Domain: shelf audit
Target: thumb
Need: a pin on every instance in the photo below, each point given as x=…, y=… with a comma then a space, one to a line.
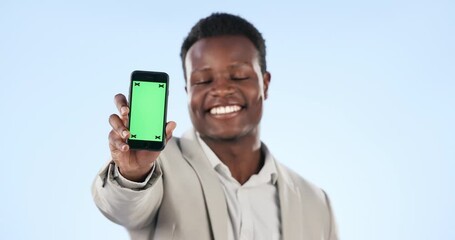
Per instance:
x=170, y=127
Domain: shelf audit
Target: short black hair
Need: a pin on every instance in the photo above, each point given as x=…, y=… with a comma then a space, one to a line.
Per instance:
x=220, y=24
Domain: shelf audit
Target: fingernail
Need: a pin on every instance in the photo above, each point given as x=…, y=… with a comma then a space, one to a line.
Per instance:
x=125, y=148
x=125, y=133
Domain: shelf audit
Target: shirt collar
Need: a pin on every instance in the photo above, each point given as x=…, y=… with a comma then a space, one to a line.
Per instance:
x=267, y=173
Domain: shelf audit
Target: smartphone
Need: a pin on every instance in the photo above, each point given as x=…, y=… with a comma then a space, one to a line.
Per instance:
x=148, y=108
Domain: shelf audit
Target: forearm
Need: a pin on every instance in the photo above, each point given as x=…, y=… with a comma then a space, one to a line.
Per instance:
x=131, y=208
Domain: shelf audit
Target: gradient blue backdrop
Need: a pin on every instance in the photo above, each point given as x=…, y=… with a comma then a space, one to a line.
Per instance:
x=361, y=103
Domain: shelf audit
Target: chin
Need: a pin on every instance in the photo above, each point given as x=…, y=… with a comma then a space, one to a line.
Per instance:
x=230, y=135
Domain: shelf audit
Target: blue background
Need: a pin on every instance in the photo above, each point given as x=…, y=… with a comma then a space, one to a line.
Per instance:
x=361, y=103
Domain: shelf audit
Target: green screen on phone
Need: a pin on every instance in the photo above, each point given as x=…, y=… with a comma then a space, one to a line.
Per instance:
x=147, y=110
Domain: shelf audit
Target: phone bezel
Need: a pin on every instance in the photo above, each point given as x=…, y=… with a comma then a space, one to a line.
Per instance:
x=149, y=76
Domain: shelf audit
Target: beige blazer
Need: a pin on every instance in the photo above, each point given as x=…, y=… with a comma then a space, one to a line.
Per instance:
x=185, y=200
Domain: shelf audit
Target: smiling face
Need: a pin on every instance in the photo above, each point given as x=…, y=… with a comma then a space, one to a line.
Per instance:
x=225, y=87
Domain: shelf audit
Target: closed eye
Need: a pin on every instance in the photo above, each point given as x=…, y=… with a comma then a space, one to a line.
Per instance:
x=239, y=78
x=202, y=81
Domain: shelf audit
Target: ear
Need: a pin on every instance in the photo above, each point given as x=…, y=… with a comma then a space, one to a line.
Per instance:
x=267, y=77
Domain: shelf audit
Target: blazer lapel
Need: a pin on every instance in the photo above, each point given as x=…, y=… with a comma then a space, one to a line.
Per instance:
x=290, y=205
x=213, y=193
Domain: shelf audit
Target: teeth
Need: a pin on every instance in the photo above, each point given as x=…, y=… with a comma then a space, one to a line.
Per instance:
x=225, y=109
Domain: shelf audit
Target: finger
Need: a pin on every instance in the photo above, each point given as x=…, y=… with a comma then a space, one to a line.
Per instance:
x=118, y=126
x=116, y=142
x=122, y=104
x=170, y=127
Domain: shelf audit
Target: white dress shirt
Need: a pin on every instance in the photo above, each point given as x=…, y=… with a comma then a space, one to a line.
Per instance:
x=254, y=211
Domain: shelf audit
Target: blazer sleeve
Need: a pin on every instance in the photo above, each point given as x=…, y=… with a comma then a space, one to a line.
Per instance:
x=333, y=228
x=131, y=208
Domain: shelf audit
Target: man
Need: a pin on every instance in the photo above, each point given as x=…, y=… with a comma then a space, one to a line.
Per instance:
x=218, y=181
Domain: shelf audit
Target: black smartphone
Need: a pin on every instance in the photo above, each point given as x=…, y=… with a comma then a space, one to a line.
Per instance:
x=148, y=108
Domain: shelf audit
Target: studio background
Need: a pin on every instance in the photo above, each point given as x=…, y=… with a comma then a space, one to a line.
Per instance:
x=361, y=103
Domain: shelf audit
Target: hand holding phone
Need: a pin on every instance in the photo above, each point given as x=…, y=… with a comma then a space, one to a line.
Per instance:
x=133, y=164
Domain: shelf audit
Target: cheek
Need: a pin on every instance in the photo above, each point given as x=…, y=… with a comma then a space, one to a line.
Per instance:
x=194, y=103
x=256, y=92
x=193, y=112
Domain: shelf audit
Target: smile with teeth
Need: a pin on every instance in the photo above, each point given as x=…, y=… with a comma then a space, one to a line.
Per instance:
x=225, y=109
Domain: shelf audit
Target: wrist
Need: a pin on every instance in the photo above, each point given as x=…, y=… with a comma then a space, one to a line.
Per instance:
x=136, y=175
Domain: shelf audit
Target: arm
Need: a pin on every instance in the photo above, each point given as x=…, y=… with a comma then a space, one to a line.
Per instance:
x=131, y=208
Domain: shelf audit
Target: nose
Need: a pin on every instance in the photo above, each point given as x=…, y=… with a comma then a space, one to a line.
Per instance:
x=222, y=86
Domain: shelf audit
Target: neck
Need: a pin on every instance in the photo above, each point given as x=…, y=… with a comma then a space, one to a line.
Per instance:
x=242, y=156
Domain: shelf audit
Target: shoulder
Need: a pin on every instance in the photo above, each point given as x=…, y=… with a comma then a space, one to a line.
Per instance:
x=291, y=180
x=172, y=150
x=181, y=144
x=172, y=145
x=309, y=200
x=306, y=189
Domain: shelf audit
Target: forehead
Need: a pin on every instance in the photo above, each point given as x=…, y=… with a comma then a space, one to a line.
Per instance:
x=220, y=50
